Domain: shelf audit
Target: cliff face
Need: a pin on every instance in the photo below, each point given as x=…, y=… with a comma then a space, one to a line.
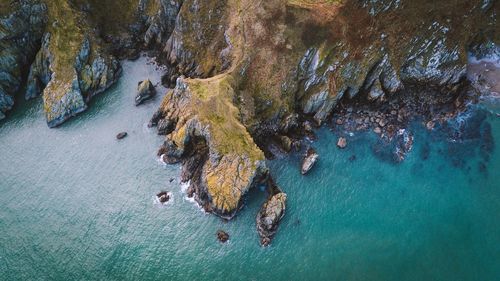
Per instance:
x=21, y=30
x=245, y=73
x=292, y=60
x=66, y=50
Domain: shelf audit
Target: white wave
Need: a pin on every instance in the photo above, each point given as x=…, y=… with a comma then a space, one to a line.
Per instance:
x=184, y=188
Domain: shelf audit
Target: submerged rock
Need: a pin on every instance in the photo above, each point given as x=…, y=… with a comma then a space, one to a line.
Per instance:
x=270, y=216
x=145, y=91
x=309, y=160
x=121, y=135
x=222, y=236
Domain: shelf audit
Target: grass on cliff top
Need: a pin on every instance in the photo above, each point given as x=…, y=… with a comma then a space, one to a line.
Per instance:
x=67, y=34
x=7, y=7
x=214, y=106
x=114, y=17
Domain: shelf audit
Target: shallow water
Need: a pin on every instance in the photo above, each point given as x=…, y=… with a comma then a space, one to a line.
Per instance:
x=78, y=204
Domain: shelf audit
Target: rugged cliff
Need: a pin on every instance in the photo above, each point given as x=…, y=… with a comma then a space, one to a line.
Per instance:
x=67, y=51
x=284, y=62
x=249, y=75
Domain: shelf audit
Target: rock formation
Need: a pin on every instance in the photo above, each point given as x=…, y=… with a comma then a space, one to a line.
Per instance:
x=145, y=91
x=309, y=160
x=244, y=72
x=269, y=217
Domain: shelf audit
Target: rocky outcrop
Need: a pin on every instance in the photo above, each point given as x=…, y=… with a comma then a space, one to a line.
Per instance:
x=222, y=236
x=245, y=71
x=269, y=217
x=163, y=197
x=21, y=28
x=65, y=48
x=309, y=160
x=219, y=157
x=263, y=68
x=145, y=91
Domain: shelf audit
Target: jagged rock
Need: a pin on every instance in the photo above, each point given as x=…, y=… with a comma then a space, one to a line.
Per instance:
x=309, y=160
x=21, y=30
x=145, y=91
x=165, y=126
x=222, y=236
x=121, y=135
x=222, y=164
x=269, y=217
x=342, y=143
x=163, y=197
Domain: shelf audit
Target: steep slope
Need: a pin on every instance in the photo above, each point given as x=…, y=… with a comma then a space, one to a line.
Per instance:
x=294, y=60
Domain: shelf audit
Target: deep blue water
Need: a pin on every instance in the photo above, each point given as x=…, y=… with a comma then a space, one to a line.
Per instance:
x=76, y=204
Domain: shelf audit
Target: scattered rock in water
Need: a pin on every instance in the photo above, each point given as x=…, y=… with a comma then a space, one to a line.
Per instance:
x=342, y=143
x=430, y=125
x=377, y=130
x=121, y=135
x=270, y=216
x=310, y=159
x=163, y=197
x=145, y=91
x=222, y=236
x=171, y=180
x=352, y=158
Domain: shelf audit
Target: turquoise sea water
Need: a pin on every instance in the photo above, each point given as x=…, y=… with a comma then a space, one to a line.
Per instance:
x=76, y=204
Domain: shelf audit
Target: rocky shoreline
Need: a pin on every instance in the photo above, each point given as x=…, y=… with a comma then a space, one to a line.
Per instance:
x=250, y=80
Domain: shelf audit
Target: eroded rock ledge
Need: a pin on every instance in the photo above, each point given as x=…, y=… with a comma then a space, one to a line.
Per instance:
x=281, y=62
x=218, y=154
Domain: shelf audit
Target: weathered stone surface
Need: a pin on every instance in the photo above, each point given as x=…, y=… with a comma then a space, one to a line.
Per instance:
x=20, y=35
x=145, y=91
x=222, y=236
x=309, y=160
x=163, y=197
x=218, y=154
x=269, y=217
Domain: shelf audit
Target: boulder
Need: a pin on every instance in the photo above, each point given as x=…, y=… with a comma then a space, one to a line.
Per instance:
x=309, y=160
x=270, y=216
x=163, y=197
x=342, y=143
x=285, y=143
x=145, y=91
x=222, y=236
x=121, y=135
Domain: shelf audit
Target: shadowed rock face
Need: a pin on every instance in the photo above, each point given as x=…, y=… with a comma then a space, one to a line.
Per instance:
x=20, y=35
x=66, y=50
